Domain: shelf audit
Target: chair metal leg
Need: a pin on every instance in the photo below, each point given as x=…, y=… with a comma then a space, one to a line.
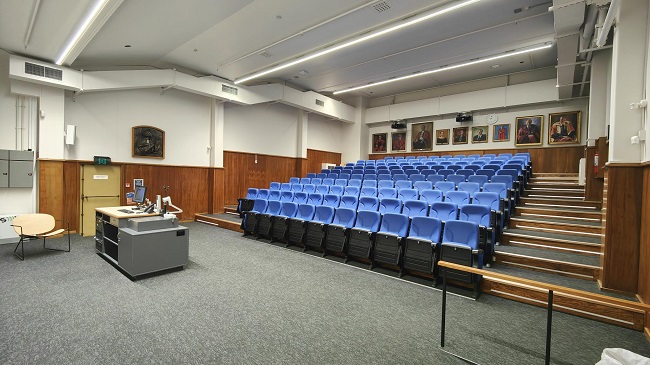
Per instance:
x=58, y=249
x=22, y=249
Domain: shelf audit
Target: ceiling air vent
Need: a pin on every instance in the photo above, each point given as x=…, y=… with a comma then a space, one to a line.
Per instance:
x=42, y=71
x=229, y=89
x=320, y=102
x=382, y=6
x=266, y=54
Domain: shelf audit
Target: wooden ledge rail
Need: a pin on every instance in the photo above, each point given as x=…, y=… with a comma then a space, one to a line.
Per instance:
x=628, y=304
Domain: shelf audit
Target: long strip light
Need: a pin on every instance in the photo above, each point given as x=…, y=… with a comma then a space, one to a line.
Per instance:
x=445, y=68
x=359, y=40
x=90, y=17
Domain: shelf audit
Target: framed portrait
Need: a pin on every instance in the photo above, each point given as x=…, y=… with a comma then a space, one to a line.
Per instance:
x=148, y=142
x=460, y=135
x=480, y=134
x=422, y=136
x=442, y=136
x=564, y=128
x=379, y=142
x=529, y=130
x=501, y=133
x=398, y=141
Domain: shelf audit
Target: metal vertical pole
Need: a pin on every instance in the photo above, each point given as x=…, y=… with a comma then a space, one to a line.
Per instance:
x=549, y=321
x=444, y=306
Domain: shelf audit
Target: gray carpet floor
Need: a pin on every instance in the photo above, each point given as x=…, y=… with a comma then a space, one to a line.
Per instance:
x=242, y=301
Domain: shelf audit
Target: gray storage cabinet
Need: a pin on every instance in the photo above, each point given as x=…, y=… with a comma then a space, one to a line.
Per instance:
x=4, y=169
x=16, y=169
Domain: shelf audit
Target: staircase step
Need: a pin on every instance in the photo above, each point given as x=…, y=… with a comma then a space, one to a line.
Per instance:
x=593, y=229
x=557, y=193
x=227, y=221
x=572, y=244
x=554, y=184
x=552, y=262
x=567, y=213
x=560, y=202
x=555, y=175
x=567, y=179
x=232, y=209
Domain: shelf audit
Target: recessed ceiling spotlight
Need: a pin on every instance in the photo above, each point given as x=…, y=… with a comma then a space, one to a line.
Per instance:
x=303, y=72
x=127, y=46
x=495, y=66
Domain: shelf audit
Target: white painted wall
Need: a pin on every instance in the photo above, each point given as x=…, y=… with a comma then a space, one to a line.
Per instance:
x=270, y=129
x=324, y=134
x=104, y=121
x=506, y=116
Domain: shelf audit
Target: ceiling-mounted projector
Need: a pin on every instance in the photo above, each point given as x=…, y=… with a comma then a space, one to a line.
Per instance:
x=464, y=117
x=398, y=124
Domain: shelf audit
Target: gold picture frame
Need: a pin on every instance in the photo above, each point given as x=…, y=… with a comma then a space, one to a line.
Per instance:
x=147, y=142
x=564, y=128
x=529, y=130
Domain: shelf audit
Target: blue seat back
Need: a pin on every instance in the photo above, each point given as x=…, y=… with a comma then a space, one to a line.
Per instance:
x=336, y=189
x=328, y=181
x=510, y=172
x=341, y=182
x=496, y=187
x=417, y=177
x=469, y=187
x=387, y=193
x=322, y=189
x=504, y=179
x=486, y=172
x=315, y=199
x=349, y=201
x=423, y=185
x=456, y=179
x=408, y=194
x=461, y=232
x=274, y=185
x=356, y=177
x=251, y=193
x=309, y=188
x=296, y=187
x=476, y=213
x=285, y=187
x=259, y=206
x=390, y=205
x=431, y=196
x=455, y=167
x=316, y=181
x=444, y=211
x=369, y=184
x=382, y=177
x=333, y=176
x=274, y=207
x=457, y=197
x=434, y=178
x=403, y=184
x=415, y=208
x=472, y=167
x=465, y=172
x=394, y=223
x=274, y=195
x=351, y=190
x=492, y=166
x=385, y=184
x=286, y=196
x=368, y=220
x=345, y=217
x=445, y=172
x=294, y=180
x=322, y=175
x=354, y=182
x=305, y=180
x=323, y=214
x=398, y=177
x=491, y=200
x=368, y=203
x=478, y=179
x=368, y=191
x=426, y=228
x=344, y=176
x=332, y=200
x=262, y=194
x=288, y=209
x=444, y=186
x=300, y=197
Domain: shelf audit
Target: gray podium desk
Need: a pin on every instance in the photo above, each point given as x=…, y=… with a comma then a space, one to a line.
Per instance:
x=140, y=243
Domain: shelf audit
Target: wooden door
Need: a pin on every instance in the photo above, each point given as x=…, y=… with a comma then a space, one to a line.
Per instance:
x=100, y=187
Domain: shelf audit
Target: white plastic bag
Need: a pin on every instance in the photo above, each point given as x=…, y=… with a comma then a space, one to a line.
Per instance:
x=618, y=356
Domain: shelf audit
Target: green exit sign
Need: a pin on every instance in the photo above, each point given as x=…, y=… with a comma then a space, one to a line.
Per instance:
x=102, y=160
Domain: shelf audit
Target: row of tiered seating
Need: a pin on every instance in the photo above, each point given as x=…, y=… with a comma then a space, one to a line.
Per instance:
x=414, y=187
x=410, y=238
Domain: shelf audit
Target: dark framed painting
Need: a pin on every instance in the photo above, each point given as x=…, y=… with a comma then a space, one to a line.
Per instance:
x=148, y=142
x=460, y=135
x=379, y=142
x=501, y=133
x=442, y=136
x=398, y=140
x=529, y=130
x=564, y=128
x=480, y=134
x=422, y=136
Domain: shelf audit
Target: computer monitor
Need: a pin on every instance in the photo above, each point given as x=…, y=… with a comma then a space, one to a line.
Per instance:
x=139, y=195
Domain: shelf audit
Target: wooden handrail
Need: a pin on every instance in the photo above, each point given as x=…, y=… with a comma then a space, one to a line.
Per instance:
x=545, y=286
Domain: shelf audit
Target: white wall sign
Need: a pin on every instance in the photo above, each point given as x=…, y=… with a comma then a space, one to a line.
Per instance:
x=100, y=177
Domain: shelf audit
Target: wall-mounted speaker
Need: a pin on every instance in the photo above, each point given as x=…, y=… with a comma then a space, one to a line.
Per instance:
x=464, y=117
x=70, y=131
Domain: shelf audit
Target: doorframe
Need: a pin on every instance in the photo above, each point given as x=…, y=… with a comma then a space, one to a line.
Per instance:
x=81, y=190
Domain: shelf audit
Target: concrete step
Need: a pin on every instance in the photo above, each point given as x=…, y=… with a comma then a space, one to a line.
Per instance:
x=532, y=237
x=557, y=225
x=556, y=202
x=568, y=214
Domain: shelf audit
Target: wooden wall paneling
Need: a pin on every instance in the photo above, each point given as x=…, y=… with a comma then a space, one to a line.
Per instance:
x=301, y=167
x=218, y=189
x=621, y=249
x=315, y=159
x=603, y=156
x=593, y=185
x=51, y=189
x=643, y=284
x=71, y=194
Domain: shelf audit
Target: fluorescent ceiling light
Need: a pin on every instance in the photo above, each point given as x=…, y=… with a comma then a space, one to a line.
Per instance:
x=90, y=17
x=359, y=40
x=445, y=68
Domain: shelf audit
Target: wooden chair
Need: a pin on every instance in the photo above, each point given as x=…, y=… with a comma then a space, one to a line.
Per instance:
x=36, y=226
